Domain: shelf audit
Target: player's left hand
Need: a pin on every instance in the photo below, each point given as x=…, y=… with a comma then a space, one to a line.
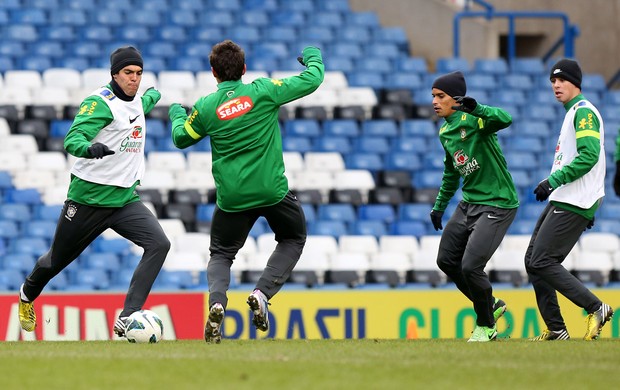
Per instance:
x=465, y=103
x=543, y=190
x=590, y=224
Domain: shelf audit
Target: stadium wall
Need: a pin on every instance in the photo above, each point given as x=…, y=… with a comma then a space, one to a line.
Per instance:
x=428, y=24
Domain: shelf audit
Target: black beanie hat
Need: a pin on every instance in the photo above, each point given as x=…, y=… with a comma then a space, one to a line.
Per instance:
x=452, y=84
x=124, y=56
x=568, y=70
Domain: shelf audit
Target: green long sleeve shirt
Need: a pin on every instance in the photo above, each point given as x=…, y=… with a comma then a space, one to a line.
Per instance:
x=474, y=154
x=241, y=121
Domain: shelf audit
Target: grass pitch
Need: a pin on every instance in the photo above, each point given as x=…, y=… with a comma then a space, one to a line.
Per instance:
x=310, y=364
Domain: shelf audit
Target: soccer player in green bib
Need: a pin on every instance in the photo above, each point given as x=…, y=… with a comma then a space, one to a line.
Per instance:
x=489, y=203
x=241, y=121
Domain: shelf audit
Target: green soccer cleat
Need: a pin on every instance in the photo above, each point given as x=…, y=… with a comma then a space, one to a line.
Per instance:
x=596, y=321
x=499, y=308
x=213, y=327
x=483, y=334
x=550, y=335
x=27, y=316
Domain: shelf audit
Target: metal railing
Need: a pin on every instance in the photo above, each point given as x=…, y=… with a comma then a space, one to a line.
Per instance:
x=567, y=40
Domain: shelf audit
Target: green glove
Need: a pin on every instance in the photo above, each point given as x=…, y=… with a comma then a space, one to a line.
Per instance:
x=177, y=111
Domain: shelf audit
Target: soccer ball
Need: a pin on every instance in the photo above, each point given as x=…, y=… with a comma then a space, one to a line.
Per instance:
x=144, y=326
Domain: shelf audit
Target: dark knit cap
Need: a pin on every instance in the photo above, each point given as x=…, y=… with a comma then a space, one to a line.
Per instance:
x=568, y=70
x=452, y=84
x=124, y=56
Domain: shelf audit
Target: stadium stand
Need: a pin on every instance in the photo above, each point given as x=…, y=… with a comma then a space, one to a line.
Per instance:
x=361, y=153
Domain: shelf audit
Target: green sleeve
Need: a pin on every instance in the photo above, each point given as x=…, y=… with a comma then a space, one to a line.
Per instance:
x=149, y=99
x=186, y=130
x=295, y=87
x=94, y=115
x=449, y=184
x=587, y=132
x=493, y=119
x=617, y=154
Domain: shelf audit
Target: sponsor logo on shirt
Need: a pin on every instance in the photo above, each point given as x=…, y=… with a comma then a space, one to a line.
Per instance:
x=234, y=108
x=464, y=164
x=133, y=142
x=106, y=93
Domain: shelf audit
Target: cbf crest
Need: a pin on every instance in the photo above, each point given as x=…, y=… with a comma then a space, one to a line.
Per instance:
x=463, y=133
x=71, y=211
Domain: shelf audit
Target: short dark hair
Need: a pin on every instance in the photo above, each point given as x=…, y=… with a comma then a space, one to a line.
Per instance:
x=227, y=59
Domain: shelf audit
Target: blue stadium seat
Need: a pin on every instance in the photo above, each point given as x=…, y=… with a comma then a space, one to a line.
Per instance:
x=366, y=18
x=369, y=161
x=386, y=50
x=302, y=127
x=353, y=33
x=341, y=64
x=521, y=178
x=29, y=245
x=517, y=81
x=15, y=212
x=6, y=180
x=411, y=64
x=530, y=210
x=36, y=62
x=380, y=128
x=204, y=212
x=396, y=35
x=71, y=17
x=40, y=228
x=402, y=161
x=156, y=5
x=403, y=80
x=414, y=212
x=330, y=19
x=344, y=212
x=51, y=49
x=244, y=34
x=366, y=79
x=380, y=212
x=328, y=228
x=137, y=33
x=174, y=280
x=104, y=261
x=111, y=17
x=451, y=64
x=333, y=5
x=418, y=127
x=521, y=160
x=522, y=226
x=330, y=143
x=60, y=127
x=266, y=64
x=382, y=65
x=188, y=5
x=47, y=212
x=309, y=212
x=172, y=34
x=8, y=229
x=323, y=34
x=282, y=17
x=21, y=33
x=7, y=63
x=606, y=226
x=369, y=228
x=410, y=144
x=209, y=32
x=28, y=196
x=493, y=66
x=525, y=143
x=593, y=82
x=118, y=246
x=253, y=18
x=192, y=64
x=341, y=127
x=30, y=16
x=509, y=98
x=59, y=282
x=527, y=65
x=231, y=5
x=177, y=17
x=296, y=144
x=486, y=82
x=345, y=49
x=196, y=49
x=96, y=33
x=408, y=228
x=21, y=262
x=10, y=279
x=280, y=34
x=90, y=279
x=272, y=49
x=371, y=144
x=427, y=179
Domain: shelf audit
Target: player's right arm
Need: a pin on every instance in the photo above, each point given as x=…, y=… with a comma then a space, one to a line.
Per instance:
x=186, y=130
x=449, y=184
x=93, y=115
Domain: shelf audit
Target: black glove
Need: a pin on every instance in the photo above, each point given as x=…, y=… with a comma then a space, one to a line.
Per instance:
x=98, y=150
x=466, y=104
x=617, y=179
x=436, y=219
x=301, y=60
x=543, y=190
x=590, y=224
